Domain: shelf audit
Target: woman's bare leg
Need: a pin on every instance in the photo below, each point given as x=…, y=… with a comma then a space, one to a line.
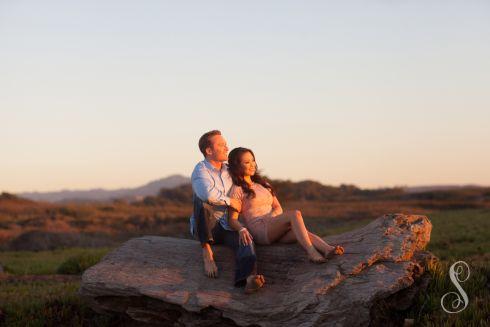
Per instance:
x=316, y=240
x=288, y=238
x=320, y=244
x=279, y=227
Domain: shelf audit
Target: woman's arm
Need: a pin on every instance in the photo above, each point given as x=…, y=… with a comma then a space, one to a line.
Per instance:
x=245, y=236
x=276, y=207
x=233, y=219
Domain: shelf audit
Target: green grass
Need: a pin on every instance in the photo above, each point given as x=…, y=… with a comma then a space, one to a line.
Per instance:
x=457, y=235
x=427, y=310
x=36, y=303
x=460, y=234
x=48, y=303
x=43, y=262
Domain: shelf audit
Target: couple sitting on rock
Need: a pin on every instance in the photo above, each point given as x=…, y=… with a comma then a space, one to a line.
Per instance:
x=223, y=193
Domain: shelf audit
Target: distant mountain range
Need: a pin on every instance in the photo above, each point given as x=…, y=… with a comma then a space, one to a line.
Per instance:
x=99, y=194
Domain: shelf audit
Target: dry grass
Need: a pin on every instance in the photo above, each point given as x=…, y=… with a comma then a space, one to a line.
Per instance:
x=95, y=224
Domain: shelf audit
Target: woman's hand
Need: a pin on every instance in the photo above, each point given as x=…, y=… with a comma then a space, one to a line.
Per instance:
x=245, y=236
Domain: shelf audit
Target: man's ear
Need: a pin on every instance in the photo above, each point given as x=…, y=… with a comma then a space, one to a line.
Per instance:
x=208, y=151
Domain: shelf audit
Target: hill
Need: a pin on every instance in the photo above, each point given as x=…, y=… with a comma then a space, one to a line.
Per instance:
x=99, y=194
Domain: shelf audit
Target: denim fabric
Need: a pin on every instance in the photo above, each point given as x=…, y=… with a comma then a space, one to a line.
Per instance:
x=209, y=231
x=245, y=257
x=203, y=225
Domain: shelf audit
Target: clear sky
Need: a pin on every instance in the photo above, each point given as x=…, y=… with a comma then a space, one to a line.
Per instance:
x=116, y=93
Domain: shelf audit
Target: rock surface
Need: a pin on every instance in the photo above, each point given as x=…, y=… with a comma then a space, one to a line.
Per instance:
x=160, y=280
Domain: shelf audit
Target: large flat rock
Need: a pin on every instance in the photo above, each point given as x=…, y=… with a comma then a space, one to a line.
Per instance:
x=161, y=279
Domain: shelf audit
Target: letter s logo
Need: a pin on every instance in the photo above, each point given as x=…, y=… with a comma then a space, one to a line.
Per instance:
x=455, y=271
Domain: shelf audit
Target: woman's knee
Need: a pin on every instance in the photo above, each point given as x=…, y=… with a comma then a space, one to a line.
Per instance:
x=297, y=215
x=293, y=214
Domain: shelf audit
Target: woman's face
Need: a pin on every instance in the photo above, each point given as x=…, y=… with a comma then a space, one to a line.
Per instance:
x=247, y=164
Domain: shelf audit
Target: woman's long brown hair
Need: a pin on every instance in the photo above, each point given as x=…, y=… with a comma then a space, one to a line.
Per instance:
x=234, y=166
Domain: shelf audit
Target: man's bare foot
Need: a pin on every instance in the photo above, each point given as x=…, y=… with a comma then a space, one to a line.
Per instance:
x=314, y=255
x=210, y=268
x=254, y=283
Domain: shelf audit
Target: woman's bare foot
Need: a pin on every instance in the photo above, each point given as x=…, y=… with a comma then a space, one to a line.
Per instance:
x=210, y=268
x=328, y=250
x=254, y=283
x=314, y=255
x=333, y=250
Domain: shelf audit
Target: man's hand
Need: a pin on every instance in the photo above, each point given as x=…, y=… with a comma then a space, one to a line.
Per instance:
x=245, y=236
x=236, y=204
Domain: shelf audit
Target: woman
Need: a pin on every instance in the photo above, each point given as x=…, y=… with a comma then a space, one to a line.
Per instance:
x=262, y=213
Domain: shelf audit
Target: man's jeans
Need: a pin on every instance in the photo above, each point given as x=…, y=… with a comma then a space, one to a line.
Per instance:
x=209, y=230
x=245, y=258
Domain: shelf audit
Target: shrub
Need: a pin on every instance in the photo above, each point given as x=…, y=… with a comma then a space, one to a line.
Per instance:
x=75, y=265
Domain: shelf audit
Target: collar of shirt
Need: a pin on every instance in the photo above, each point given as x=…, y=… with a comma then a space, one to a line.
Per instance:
x=208, y=164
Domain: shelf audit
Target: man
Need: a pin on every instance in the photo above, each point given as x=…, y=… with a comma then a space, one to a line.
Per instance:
x=211, y=184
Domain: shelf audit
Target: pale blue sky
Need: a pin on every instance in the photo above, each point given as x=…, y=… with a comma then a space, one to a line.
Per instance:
x=116, y=93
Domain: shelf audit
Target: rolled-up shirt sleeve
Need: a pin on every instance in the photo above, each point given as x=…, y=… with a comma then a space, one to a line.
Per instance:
x=203, y=186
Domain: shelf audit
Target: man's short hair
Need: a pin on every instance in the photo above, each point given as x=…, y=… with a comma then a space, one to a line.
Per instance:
x=205, y=140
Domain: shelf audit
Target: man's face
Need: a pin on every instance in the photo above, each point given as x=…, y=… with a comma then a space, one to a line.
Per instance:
x=218, y=151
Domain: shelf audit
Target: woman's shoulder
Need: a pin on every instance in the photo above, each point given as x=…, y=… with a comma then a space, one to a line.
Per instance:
x=265, y=187
x=236, y=187
x=236, y=191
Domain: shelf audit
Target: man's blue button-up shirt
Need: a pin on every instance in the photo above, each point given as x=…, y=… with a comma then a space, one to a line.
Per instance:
x=212, y=185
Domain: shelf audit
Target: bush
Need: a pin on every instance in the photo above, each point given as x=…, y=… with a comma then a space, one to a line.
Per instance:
x=77, y=264
x=40, y=240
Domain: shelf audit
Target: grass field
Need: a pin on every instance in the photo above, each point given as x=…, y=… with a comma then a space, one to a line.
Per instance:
x=456, y=235
x=43, y=262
